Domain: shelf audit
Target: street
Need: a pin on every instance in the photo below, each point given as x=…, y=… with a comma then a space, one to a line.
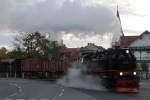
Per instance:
x=25, y=89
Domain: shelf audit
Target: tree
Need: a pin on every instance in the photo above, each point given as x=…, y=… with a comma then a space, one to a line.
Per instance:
x=35, y=45
x=3, y=53
x=145, y=67
x=17, y=53
x=54, y=52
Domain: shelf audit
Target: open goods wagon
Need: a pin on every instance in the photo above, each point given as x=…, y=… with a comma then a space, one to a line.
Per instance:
x=43, y=68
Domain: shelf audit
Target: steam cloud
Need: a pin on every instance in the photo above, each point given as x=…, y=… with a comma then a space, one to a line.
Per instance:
x=76, y=78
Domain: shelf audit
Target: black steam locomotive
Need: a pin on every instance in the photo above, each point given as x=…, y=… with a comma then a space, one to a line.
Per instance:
x=115, y=66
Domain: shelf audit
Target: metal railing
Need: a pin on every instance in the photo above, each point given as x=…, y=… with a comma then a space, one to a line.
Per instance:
x=143, y=59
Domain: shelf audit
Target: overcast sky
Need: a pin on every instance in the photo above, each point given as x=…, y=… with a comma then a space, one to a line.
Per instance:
x=77, y=22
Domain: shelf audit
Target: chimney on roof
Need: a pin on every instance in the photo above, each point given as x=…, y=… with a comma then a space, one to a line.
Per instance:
x=146, y=31
x=61, y=43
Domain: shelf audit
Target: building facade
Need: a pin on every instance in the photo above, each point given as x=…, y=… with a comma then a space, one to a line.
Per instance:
x=140, y=45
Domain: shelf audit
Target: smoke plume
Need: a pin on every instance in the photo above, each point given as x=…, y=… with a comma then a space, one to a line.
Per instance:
x=77, y=78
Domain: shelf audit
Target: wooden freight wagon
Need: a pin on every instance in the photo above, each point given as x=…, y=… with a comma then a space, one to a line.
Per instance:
x=10, y=68
x=43, y=68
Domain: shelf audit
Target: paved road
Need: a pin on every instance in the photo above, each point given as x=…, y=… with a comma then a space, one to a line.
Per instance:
x=38, y=90
x=22, y=89
x=144, y=93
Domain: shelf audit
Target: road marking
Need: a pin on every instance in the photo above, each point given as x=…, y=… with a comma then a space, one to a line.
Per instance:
x=53, y=99
x=19, y=99
x=61, y=94
x=13, y=84
x=18, y=87
x=63, y=90
x=20, y=90
x=13, y=94
x=28, y=99
x=8, y=99
x=33, y=99
x=44, y=99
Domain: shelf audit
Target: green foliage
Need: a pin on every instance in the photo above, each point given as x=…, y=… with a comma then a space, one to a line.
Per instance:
x=35, y=45
x=3, y=53
x=144, y=67
x=18, y=54
x=139, y=67
x=54, y=50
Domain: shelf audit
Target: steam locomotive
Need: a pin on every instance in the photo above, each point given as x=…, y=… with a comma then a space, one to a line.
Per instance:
x=115, y=66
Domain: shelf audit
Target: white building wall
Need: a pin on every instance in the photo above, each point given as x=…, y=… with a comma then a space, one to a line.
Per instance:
x=144, y=41
x=143, y=55
x=140, y=42
x=137, y=55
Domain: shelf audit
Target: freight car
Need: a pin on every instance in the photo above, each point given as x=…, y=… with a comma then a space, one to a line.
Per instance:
x=43, y=68
x=10, y=68
x=33, y=68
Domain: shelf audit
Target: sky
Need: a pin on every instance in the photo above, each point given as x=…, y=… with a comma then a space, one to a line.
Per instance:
x=77, y=22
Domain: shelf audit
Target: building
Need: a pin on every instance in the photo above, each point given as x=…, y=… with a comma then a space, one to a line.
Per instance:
x=69, y=54
x=140, y=45
x=91, y=47
x=74, y=54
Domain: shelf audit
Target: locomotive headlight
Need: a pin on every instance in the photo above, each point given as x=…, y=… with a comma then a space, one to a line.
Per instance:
x=82, y=59
x=121, y=73
x=127, y=51
x=134, y=73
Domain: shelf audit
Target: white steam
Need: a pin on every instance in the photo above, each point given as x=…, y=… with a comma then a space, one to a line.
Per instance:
x=76, y=78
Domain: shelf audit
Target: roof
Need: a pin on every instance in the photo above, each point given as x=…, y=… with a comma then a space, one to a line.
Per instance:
x=73, y=52
x=145, y=32
x=126, y=40
x=91, y=48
